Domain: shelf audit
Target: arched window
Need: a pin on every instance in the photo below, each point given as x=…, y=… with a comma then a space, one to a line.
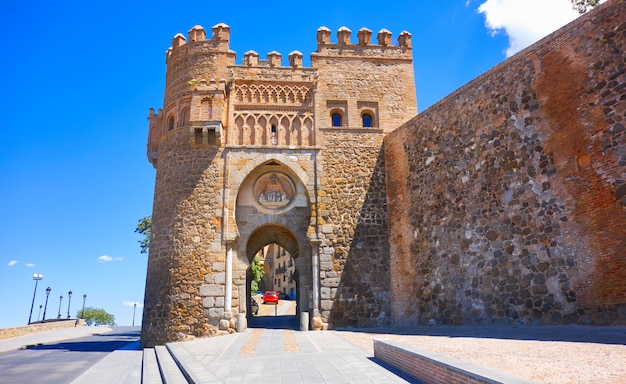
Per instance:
x=184, y=117
x=170, y=123
x=367, y=120
x=336, y=119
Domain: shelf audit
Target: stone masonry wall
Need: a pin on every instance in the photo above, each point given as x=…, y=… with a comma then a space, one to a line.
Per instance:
x=208, y=59
x=354, y=269
x=8, y=333
x=375, y=78
x=507, y=198
x=186, y=255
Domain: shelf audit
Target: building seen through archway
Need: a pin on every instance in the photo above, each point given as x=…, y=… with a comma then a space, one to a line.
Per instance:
x=279, y=270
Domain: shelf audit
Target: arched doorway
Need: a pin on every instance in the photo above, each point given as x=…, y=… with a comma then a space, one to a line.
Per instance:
x=277, y=249
x=273, y=209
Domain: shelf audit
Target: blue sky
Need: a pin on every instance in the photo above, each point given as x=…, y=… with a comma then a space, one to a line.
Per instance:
x=77, y=79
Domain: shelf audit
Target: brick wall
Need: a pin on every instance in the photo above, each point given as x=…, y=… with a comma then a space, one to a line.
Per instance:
x=507, y=197
x=433, y=368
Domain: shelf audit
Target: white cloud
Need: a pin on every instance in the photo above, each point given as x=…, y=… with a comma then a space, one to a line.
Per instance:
x=12, y=263
x=29, y=265
x=526, y=21
x=106, y=259
x=132, y=303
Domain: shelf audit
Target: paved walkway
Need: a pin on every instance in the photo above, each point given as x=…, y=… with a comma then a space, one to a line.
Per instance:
x=272, y=351
x=284, y=356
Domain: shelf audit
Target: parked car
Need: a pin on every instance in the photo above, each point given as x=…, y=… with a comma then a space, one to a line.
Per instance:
x=270, y=297
x=254, y=307
x=284, y=296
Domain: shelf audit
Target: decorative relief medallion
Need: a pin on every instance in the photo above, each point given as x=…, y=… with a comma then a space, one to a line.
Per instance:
x=273, y=190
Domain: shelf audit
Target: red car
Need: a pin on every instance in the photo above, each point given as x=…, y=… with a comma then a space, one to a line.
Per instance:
x=270, y=297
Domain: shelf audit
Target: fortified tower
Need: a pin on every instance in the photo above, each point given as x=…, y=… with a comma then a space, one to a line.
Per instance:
x=259, y=153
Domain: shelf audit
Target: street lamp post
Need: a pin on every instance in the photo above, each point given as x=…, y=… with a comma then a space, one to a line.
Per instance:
x=36, y=277
x=60, y=300
x=82, y=313
x=69, y=302
x=46, y=306
x=39, y=315
x=134, y=309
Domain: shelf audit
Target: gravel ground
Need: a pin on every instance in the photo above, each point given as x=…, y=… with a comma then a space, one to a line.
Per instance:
x=545, y=354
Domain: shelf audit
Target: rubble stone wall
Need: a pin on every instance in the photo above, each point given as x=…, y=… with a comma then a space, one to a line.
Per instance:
x=354, y=255
x=186, y=253
x=507, y=199
x=11, y=332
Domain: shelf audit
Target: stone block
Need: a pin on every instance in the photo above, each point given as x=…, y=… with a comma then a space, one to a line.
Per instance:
x=211, y=290
x=326, y=305
x=216, y=313
x=219, y=278
x=326, y=266
x=208, y=302
x=325, y=258
x=331, y=282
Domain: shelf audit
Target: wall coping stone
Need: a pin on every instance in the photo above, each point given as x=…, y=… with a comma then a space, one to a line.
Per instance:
x=23, y=330
x=472, y=372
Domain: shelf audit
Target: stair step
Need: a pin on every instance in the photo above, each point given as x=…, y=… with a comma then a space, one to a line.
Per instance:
x=170, y=371
x=150, y=368
x=194, y=370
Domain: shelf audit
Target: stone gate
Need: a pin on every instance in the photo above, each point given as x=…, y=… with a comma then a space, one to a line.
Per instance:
x=258, y=153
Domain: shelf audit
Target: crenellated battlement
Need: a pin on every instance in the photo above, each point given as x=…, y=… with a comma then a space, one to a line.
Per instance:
x=364, y=38
x=219, y=41
x=347, y=85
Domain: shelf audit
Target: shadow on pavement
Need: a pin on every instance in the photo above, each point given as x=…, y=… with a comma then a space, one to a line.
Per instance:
x=96, y=343
x=569, y=333
x=274, y=322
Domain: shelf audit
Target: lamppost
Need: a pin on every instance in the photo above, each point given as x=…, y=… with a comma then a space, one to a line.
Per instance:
x=46, y=306
x=39, y=315
x=60, y=300
x=36, y=277
x=134, y=308
x=69, y=302
x=82, y=313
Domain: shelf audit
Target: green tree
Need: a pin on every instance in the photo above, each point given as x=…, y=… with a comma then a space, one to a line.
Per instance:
x=96, y=316
x=583, y=5
x=145, y=228
x=257, y=273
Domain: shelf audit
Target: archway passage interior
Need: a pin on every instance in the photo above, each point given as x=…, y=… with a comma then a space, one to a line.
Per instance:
x=276, y=250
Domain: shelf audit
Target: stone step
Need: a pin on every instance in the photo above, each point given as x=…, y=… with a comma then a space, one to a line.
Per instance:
x=150, y=373
x=170, y=371
x=192, y=368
